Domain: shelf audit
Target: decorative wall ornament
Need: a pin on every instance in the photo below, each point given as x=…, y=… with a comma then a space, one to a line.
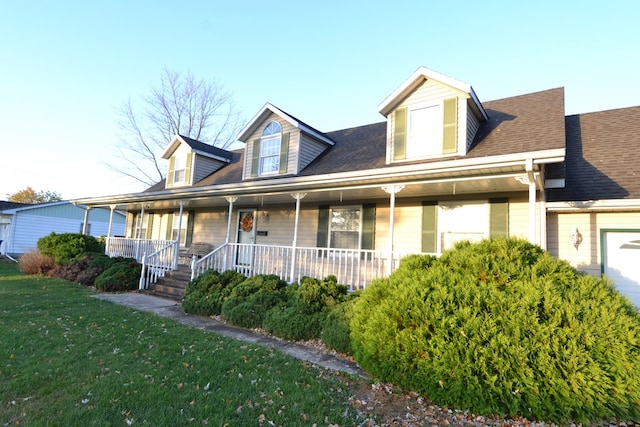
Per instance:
x=575, y=238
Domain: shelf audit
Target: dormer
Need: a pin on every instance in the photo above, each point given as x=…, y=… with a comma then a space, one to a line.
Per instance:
x=431, y=116
x=191, y=160
x=278, y=144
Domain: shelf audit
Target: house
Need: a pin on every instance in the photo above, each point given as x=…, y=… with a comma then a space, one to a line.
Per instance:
x=441, y=167
x=22, y=225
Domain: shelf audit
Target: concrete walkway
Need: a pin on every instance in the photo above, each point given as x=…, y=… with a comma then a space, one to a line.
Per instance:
x=171, y=309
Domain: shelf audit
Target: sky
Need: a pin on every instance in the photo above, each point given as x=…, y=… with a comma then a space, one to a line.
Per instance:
x=66, y=67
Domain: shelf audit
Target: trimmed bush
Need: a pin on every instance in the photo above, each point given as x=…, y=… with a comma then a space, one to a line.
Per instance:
x=336, y=331
x=34, y=262
x=123, y=276
x=204, y=295
x=249, y=301
x=301, y=317
x=67, y=247
x=503, y=327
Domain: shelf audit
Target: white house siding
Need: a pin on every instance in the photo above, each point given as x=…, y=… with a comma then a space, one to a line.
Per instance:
x=309, y=150
x=294, y=138
x=587, y=257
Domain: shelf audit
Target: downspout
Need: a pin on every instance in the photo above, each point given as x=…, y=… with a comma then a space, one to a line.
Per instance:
x=298, y=197
x=112, y=207
x=85, y=224
x=543, y=209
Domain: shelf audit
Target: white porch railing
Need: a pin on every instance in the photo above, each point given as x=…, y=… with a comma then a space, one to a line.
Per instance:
x=158, y=263
x=133, y=248
x=352, y=267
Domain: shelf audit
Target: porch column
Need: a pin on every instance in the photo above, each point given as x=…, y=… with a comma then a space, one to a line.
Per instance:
x=391, y=190
x=231, y=200
x=176, y=255
x=112, y=207
x=298, y=197
x=532, y=200
x=139, y=239
x=85, y=223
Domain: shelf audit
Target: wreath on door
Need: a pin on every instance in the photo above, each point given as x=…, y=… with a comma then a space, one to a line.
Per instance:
x=246, y=223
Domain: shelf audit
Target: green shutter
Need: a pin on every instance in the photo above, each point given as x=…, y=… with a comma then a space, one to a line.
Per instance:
x=255, y=158
x=284, y=152
x=450, y=131
x=190, y=221
x=187, y=173
x=498, y=217
x=400, y=134
x=367, y=240
x=323, y=226
x=429, y=227
x=172, y=167
x=169, y=225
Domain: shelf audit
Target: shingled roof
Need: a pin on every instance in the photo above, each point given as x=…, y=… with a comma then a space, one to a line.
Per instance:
x=518, y=124
x=603, y=157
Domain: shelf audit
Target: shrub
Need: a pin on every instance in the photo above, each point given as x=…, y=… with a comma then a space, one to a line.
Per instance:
x=336, y=332
x=204, y=295
x=34, y=262
x=66, y=247
x=503, y=327
x=249, y=301
x=122, y=276
x=301, y=317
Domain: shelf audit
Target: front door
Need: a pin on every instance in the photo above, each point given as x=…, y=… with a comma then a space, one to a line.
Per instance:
x=246, y=237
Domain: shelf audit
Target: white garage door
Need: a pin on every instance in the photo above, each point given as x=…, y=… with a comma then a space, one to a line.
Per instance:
x=622, y=261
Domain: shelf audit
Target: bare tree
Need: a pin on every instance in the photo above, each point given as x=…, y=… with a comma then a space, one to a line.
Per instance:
x=181, y=104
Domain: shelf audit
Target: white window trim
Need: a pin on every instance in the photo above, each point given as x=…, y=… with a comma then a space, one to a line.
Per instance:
x=440, y=224
x=347, y=207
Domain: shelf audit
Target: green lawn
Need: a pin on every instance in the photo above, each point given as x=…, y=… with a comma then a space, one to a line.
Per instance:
x=67, y=359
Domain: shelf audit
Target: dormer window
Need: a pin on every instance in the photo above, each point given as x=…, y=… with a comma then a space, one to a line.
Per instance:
x=180, y=171
x=426, y=130
x=270, y=144
x=270, y=152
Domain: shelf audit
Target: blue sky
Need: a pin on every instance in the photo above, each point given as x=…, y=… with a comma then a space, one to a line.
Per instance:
x=68, y=65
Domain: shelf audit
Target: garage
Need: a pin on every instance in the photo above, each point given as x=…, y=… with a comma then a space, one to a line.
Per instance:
x=621, y=261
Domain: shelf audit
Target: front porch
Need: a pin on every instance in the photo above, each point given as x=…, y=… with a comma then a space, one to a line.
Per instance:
x=353, y=268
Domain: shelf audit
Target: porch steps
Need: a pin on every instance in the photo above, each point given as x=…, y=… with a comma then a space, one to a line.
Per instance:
x=173, y=284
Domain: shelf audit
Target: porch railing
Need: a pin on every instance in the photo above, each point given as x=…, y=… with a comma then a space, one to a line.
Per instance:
x=352, y=267
x=158, y=263
x=133, y=248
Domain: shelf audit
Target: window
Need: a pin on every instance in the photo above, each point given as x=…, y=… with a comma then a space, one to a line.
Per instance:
x=175, y=224
x=179, y=173
x=270, y=144
x=140, y=232
x=344, y=228
x=426, y=130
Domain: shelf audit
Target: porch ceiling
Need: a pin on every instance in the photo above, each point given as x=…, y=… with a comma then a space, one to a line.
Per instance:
x=501, y=181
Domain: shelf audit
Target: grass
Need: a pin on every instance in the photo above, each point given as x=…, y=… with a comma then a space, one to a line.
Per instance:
x=69, y=359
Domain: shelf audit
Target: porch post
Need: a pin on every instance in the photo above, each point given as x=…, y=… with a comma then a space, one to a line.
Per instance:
x=298, y=197
x=139, y=240
x=231, y=200
x=532, y=200
x=85, y=223
x=112, y=207
x=177, y=251
x=391, y=190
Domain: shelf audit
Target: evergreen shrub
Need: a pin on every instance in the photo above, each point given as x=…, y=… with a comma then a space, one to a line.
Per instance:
x=336, y=332
x=502, y=327
x=204, y=294
x=301, y=317
x=122, y=276
x=66, y=247
x=249, y=301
